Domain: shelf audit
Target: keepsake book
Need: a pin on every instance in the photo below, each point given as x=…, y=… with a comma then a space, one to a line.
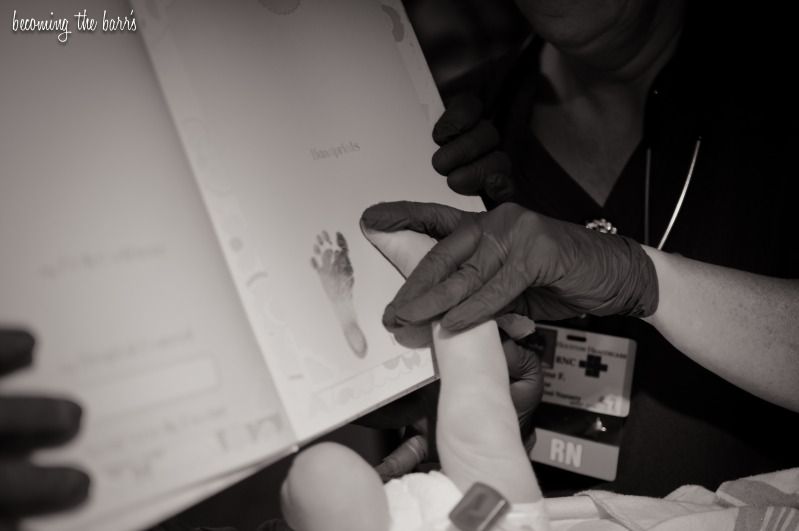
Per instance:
x=179, y=225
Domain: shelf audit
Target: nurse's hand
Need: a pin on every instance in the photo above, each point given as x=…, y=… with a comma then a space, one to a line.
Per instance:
x=469, y=155
x=511, y=259
x=28, y=422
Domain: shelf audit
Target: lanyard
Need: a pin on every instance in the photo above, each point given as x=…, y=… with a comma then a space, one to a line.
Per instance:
x=678, y=206
x=604, y=226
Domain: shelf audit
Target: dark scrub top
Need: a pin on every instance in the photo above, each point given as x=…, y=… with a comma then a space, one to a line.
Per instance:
x=686, y=425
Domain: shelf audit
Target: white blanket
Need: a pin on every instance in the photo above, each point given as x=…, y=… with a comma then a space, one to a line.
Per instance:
x=768, y=502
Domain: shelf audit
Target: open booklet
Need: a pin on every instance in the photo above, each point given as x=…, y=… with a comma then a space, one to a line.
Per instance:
x=179, y=214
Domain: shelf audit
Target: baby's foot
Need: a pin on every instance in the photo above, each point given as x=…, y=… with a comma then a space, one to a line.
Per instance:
x=332, y=262
x=331, y=488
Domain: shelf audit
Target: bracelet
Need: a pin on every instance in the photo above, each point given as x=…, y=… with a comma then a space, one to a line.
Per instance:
x=482, y=508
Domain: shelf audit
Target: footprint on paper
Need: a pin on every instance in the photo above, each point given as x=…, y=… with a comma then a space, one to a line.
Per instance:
x=397, y=27
x=332, y=263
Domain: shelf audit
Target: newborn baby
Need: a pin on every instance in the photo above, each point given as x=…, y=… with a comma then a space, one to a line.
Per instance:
x=330, y=487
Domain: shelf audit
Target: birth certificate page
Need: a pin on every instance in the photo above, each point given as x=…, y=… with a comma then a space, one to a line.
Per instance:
x=296, y=115
x=110, y=259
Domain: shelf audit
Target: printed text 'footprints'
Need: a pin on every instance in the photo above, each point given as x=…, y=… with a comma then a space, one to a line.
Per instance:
x=281, y=7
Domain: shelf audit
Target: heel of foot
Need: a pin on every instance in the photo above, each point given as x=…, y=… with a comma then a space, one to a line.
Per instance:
x=356, y=339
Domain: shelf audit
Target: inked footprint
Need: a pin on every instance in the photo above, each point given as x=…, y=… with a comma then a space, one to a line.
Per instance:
x=397, y=27
x=332, y=263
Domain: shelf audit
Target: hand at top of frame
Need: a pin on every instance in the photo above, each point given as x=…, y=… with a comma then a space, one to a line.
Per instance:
x=468, y=155
x=511, y=259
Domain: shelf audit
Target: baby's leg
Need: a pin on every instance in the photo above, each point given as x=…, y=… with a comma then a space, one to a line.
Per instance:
x=478, y=432
x=331, y=488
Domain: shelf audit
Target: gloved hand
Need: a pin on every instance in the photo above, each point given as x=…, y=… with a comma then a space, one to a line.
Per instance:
x=511, y=259
x=27, y=422
x=468, y=156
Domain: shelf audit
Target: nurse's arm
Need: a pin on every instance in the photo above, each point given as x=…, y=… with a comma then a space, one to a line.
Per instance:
x=743, y=327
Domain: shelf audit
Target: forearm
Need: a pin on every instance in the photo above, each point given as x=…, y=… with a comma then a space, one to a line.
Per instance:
x=743, y=327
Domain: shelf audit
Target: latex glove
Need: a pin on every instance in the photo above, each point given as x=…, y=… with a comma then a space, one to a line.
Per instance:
x=468, y=156
x=526, y=386
x=513, y=259
x=27, y=422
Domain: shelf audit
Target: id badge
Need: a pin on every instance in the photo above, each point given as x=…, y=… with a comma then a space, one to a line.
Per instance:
x=587, y=384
